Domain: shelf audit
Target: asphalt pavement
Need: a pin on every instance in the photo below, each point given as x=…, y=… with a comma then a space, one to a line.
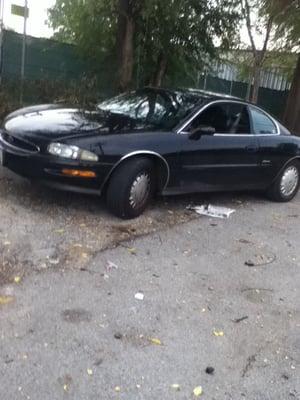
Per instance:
x=94, y=308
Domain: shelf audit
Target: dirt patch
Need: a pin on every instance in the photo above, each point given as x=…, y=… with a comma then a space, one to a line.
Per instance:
x=42, y=228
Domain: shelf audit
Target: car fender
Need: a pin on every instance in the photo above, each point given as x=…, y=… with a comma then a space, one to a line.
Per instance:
x=285, y=164
x=156, y=156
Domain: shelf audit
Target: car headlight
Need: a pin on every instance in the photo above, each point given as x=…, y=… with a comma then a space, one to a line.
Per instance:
x=72, y=152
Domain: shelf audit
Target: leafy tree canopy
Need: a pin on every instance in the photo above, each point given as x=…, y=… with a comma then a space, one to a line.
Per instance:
x=170, y=38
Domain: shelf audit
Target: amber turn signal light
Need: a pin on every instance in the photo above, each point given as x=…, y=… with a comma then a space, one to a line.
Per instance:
x=79, y=173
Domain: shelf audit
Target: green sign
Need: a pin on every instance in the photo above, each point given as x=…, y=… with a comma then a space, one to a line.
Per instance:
x=20, y=11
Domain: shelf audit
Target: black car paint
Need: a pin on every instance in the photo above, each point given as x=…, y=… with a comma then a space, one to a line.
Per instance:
x=212, y=162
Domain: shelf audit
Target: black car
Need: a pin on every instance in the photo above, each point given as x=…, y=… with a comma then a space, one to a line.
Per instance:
x=153, y=141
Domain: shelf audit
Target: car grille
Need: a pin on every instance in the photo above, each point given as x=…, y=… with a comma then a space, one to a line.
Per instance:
x=19, y=143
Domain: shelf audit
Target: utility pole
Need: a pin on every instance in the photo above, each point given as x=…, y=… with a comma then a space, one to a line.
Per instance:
x=23, y=52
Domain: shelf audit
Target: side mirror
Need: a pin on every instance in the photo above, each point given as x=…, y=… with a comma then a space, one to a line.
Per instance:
x=195, y=134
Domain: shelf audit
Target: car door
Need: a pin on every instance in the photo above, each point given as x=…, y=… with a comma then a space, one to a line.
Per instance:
x=226, y=159
x=274, y=149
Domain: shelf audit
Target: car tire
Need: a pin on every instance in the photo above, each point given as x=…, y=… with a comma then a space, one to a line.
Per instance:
x=286, y=185
x=131, y=188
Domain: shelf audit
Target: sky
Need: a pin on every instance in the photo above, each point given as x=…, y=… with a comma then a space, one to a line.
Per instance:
x=37, y=25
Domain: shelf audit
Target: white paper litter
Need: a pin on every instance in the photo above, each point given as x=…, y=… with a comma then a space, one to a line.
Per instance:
x=213, y=211
x=110, y=265
x=139, y=296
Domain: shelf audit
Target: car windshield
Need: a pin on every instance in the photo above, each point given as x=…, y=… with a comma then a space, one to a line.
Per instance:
x=152, y=108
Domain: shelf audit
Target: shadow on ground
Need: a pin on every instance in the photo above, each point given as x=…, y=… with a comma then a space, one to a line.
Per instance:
x=42, y=228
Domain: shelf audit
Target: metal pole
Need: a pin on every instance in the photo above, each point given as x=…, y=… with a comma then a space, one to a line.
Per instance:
x=1, y=36
x=23, y=53
x=231, y=87
x=205, y=80
x=248, y=94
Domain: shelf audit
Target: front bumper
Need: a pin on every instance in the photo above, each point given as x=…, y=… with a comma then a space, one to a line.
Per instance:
x=47, y=169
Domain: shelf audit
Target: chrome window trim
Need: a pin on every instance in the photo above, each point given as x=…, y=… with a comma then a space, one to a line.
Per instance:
x=203, y=108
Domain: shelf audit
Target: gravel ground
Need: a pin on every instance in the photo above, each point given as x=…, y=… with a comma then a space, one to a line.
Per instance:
x=41, y=228
x=217, y=293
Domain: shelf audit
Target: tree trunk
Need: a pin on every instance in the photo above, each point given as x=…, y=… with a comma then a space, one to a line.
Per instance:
x=160, y=71
x=125, y=46
x=256, y=82
x=292, y=110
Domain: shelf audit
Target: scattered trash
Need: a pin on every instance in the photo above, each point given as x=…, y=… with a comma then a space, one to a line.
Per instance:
x=66, y=382
x=7, y=243
x=118, y=336
x=250, y=361
x=17, y=279
x=53, y=261
x=218, y=333
x=155, y=341
x=238, y=320
x=132, y=251
x=89, y=371
x=260, y=260
x=84, y=255
x=176, y=387
x=110, y=265
x=245, y=241
x=213, y=211
x=210, y=370
x=139, y=296
x=117, y=389
x=6, y=300
x=198, y=391
x=60, y=231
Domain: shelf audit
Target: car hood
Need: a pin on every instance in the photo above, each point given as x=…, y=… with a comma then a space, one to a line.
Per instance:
x=55, y=121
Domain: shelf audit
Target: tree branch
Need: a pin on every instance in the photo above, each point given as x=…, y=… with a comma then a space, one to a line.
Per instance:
x=246, y=10
x=268, y=32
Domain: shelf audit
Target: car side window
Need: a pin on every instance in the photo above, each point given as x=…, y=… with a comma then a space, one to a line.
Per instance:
x=262, y=124
x=225, y=118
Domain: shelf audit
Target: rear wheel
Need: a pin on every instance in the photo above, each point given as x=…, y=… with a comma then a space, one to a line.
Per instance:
x=131, y=188
x=286, y=184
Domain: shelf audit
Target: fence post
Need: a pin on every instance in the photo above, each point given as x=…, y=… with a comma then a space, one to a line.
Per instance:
x=1, y=37
x=23, y=53
x=248, y=93
x=205, y=79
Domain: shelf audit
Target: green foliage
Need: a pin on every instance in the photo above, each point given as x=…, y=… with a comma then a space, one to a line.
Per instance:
x=288, y=24
x=84, y=92
x=185, y=32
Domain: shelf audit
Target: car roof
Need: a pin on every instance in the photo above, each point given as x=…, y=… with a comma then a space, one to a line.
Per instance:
x=210, y=94
x=206, y=94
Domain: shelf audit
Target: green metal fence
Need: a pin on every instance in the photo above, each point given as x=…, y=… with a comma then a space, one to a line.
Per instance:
x=45, y=59
x=272, y=100
x=50, y=61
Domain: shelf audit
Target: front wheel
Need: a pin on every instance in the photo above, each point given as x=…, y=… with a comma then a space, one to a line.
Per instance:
x=131, y=188
x=286, y=185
